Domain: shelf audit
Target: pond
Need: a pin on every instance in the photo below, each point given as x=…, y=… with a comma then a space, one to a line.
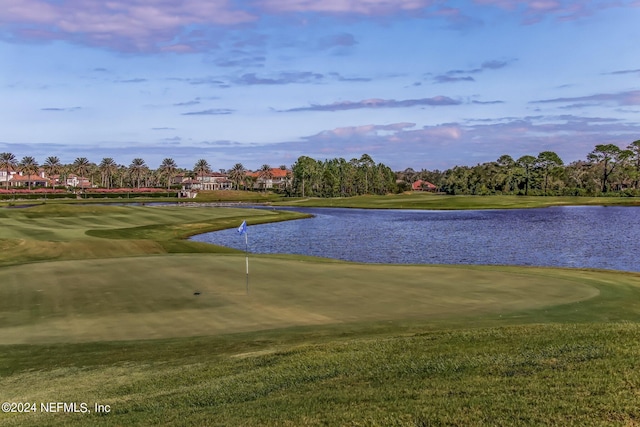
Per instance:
x=574, y=236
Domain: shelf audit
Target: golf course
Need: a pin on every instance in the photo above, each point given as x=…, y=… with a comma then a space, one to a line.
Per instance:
x=113, y=306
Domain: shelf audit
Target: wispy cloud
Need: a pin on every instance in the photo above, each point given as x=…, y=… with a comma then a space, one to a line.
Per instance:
x=451, y=79
x=359, y=7
x=68, y=109
x=186, y=104
x=124, y=25
x=136, y=80
x=454, y=76
x=435, y=101
x=210, y=112
x=341, y=40
x=621, y=98
x=534, y=11
x=637, y=71
x=279, y=79
x=487, y=102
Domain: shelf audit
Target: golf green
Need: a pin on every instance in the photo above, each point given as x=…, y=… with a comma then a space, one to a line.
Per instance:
x=165, y=296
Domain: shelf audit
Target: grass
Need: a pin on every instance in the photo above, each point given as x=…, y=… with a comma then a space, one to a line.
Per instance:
x=439, y=201
x=97, y=305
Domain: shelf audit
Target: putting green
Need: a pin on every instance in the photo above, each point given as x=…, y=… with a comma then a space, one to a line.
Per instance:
x=154, y=296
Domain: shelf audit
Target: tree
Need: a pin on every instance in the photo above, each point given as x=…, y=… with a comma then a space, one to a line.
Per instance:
x=266, y=174
x=81, y=166
x=237, y=174
x=168, y=169
x=8, y=162
x=605, y=155
x=52, y=166
x=28, y=166
x=527, y=163
x=108, y=167
x=304, y=170
x=138, y=168
x=200, y=168
x=506, y=165
x=634, y=149
x=547, y=161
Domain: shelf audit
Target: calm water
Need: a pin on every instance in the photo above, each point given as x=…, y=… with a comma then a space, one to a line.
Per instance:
x=577, y=236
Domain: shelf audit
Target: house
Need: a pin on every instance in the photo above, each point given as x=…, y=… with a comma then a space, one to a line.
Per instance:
x=77, y=181
x=3, y=174
x=421, y=185
x=20, y=180
x=280, y=178
x=213, y=181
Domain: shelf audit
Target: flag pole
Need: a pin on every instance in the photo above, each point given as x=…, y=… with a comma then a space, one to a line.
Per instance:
x=246, y=257
x=243, y=230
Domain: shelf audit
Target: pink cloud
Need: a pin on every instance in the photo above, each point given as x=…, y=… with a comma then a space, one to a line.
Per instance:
x=141, y=25
x=536, y=10
x=362, y=7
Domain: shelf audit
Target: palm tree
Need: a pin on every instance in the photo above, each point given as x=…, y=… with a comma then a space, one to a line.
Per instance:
x=137, y=168
x=7, y=163
x=81, y=167
x=200, y=168
x=168, y=168
x=29, y=166
x=266, y=174
x=237, y=174
x=108, y=168
x=52, y=166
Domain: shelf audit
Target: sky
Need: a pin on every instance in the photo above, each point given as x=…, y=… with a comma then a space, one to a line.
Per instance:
x=426, y=84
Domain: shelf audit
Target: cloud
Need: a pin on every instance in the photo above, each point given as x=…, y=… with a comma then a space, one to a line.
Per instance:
x=379, y=103
x=163, y=128
x=123, y=25
x=69, y=109
x=138, y=80
x=340, y=40
x=450, y=79
x=186, y=104
x=210, y=112
x=279, y=79
x=451, y=76
x=358, y=7
x=624, y=72
x=240, y=59
x=622, y=99
x=487, y=102
x=534, y=11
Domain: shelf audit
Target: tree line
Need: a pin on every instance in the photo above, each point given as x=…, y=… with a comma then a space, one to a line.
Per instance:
x=607, y=169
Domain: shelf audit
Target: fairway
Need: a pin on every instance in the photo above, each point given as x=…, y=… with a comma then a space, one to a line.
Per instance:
x=154, y=296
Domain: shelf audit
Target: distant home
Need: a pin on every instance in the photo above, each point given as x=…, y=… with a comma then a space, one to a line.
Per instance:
x=206, y=181
x=421, y=185
x=18, y=179
x=279, y=178
x=74, y=180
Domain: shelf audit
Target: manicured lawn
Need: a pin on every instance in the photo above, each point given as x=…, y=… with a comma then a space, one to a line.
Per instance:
x=98, y=305
x=418, y=200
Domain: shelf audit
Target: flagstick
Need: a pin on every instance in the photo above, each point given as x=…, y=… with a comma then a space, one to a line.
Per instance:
x=246, y=253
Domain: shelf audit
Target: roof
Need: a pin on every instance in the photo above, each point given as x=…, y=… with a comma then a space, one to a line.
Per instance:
x=26, y=178
x=420, y=184
x=275, y=173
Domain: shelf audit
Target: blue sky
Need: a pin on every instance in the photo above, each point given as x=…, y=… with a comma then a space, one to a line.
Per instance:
x=413, y=83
